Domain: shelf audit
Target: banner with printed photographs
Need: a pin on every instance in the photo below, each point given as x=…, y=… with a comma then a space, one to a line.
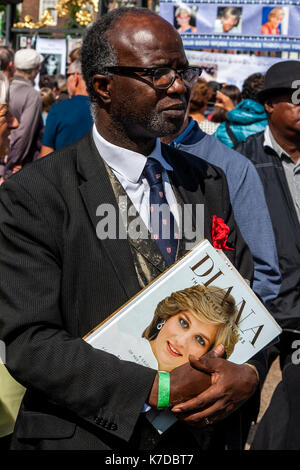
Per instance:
x=245, y=24
x=232, y=69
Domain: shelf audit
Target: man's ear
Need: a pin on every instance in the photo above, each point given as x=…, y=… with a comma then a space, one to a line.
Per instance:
x=269, y=106
x=11, y=66
x=101, y=84
x=76, y=79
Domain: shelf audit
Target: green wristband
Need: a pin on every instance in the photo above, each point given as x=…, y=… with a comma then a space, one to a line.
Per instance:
x=163, y=389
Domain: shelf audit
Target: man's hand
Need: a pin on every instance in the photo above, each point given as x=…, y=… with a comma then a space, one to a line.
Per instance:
x=231, y=386
x=16, y=168
x=224, y=102
x=45, y=150
x=186, y=382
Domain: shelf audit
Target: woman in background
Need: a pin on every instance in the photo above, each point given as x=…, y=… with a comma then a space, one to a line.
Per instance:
x=226, y=99
x=201, y=94
x=247, y=117
x=48, y=99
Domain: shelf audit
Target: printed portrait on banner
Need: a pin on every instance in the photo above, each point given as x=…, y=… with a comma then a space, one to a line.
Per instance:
x=229, y=20
x=185, y=18
x=274, y=20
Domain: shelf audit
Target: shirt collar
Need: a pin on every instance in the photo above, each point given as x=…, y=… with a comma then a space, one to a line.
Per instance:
x=126, y=162
x=180, y=138
x=273, y=144
x=23, y=79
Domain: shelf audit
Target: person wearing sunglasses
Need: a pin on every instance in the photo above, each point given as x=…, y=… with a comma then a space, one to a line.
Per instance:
x=71, y=276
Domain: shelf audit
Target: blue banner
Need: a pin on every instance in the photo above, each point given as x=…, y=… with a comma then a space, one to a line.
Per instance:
x=244, y=24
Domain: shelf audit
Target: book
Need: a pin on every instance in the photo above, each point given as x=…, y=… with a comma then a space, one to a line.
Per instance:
x=144, y=331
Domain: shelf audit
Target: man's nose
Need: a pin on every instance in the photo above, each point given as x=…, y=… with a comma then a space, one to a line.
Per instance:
x=178, y=86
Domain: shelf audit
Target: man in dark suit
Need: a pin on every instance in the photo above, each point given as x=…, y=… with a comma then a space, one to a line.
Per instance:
x=60, y=278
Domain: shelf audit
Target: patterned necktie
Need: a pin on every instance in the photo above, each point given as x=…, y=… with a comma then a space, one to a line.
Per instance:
x=162, y=223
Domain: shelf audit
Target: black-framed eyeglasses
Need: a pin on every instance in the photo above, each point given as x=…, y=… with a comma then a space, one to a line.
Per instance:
x=163, y=77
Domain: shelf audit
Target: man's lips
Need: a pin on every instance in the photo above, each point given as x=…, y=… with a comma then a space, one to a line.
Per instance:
x=176, y=107
x=173, y=351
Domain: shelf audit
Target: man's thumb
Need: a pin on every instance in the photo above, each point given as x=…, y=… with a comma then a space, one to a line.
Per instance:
x=217, y=351
x=203, y=363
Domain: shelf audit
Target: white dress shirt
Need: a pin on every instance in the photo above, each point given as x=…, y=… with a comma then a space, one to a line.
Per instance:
x=291, y=169
x=128, y=167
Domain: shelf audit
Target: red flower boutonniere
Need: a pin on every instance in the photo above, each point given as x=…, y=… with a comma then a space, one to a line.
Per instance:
x=220, y=232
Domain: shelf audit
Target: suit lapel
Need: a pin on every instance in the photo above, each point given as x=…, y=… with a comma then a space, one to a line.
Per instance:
x=144, y=244
x=95, y=189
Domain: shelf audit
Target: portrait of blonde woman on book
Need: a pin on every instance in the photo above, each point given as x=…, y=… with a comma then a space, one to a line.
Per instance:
x=192, y=321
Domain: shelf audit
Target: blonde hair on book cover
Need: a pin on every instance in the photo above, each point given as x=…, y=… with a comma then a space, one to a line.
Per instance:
x=209, y=304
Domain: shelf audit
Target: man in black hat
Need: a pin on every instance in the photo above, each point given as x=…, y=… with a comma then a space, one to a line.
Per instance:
x=276, y=155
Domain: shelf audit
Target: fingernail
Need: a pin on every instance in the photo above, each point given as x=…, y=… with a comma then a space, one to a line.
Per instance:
x=219, y=349
x=176, y=410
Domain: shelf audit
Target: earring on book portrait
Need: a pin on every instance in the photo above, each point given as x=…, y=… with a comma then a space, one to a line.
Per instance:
x=160, y=325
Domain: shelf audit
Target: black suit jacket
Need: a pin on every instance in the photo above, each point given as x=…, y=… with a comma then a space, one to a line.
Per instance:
x=58, y=281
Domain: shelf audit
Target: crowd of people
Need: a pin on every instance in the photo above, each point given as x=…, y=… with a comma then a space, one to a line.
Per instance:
x=129, y=108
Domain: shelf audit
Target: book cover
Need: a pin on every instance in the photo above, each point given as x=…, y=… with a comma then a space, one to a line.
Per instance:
x=140, y=331
x=199, y=302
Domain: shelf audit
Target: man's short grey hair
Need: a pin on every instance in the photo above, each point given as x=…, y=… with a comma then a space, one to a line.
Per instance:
x=75, y=66
x=28, y=73
x=4, y=89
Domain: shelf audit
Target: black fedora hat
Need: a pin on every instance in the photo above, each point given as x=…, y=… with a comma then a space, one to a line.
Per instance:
x=279, y=77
